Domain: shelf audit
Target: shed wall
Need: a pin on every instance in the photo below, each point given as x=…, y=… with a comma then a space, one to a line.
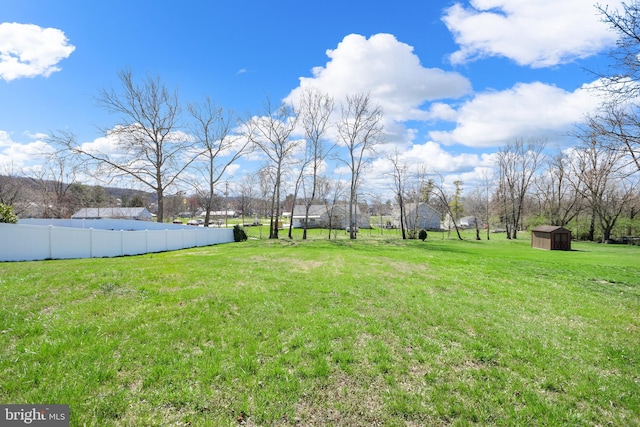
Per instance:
x=541, y=240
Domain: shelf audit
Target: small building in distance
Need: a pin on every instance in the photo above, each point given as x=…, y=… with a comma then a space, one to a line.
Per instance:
x=140, y=214
x=219, y=214
x=417, y=216
x=328, y=216
x=468, y=222
x=551, y=237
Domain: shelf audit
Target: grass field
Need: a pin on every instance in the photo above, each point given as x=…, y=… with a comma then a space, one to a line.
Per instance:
x=376, y=331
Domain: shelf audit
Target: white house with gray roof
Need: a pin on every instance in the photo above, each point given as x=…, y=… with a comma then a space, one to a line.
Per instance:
x=140, y=214
x=325, y=216
x=418, y=216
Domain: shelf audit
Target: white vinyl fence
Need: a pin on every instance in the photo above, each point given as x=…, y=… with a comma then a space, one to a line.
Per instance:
x=31, y=240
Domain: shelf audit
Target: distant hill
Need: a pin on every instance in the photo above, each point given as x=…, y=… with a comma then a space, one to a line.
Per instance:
x=32, y=197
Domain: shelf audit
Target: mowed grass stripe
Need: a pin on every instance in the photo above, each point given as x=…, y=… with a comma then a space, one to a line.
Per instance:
x=373, y=331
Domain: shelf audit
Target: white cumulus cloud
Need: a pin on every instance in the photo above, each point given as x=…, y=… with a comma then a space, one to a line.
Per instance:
x=536, y=33
x=495, y=118
x=27, y=50
x=430, y=158
x=17, y=155
x=389, y=71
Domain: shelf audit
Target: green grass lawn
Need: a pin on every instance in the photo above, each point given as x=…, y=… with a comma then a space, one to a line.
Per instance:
x=376, y=331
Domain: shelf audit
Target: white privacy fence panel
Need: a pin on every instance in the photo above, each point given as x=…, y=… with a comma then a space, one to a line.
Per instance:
x=133, y=243
x=69, y=242
x=104, y=243
x=27, y=242
x=156, y=242
x=17, y=241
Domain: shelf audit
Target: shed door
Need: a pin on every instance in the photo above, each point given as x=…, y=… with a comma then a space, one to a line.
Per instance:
x=561, y=241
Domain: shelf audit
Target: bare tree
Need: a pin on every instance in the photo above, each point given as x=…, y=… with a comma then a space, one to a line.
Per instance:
x=359, y=129
x=517, y=164
x=297, y=183
x=456, y=201
x=330, y=192
x=271, y=132
x=617, y=123
x=604, y=181
x=149, y=147
x=57, y=175
x=247, y=194
x=487, y=183
x=266, y=184
x=560, y=202
x=378, y=208
x=399, y=181
x=10, y=187
x=315, y=112
x=444, y=200
x=617, y=126
x=217, y=147
x=475, y=206
x=624, y=72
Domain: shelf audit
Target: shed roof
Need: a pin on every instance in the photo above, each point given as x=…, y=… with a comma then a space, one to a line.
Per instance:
x=550, y=228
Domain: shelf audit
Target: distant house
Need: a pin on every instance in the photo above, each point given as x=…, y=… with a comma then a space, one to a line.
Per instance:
x=140, y=214
x=418, y=216
x=551, y=237
x=323, y=216
x=219, y=214
x=468, y=222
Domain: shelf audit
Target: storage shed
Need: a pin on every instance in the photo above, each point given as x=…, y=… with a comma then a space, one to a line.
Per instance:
x=551, y=237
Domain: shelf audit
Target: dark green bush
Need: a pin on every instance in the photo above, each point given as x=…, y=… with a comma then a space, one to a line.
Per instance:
x=422, y=235
x=238, y=234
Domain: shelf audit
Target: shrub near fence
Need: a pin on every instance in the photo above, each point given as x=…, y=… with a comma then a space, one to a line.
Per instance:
x=28, y=242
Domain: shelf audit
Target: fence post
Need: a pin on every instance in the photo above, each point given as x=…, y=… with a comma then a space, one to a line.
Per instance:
x=50, y=242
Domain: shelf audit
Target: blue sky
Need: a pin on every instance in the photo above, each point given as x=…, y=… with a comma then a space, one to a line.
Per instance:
x=456, y=80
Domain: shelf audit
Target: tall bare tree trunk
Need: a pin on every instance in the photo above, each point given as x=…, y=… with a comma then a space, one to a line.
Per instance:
x=272, y=134
x=359, y=130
